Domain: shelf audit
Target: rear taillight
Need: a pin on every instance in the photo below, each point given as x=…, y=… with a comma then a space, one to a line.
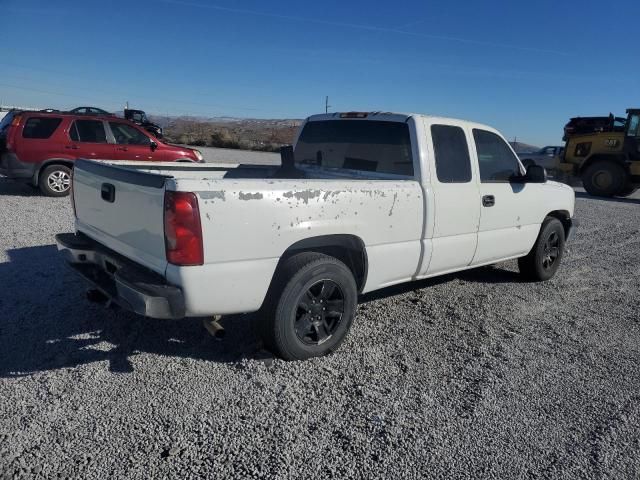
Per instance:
x=15, y=122
x=182, y=229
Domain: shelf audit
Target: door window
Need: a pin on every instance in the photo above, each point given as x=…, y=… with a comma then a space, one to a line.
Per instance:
x=128, y=135
x=40, y=127
x=634, y=123
x=497, y=162
x=91, y=131
x=453, y=164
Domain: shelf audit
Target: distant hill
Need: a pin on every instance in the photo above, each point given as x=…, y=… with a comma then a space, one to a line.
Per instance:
x=520, y=147
x=228, y=132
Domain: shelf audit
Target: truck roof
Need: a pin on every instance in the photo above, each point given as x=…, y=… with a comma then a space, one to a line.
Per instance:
x=394, y=117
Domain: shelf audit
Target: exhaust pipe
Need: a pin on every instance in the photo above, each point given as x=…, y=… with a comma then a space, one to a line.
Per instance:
x=214, y=328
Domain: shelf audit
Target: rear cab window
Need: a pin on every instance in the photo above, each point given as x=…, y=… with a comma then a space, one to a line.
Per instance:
x=40, y=127
x=453, y=164
x=372, y=148
x=89, y=131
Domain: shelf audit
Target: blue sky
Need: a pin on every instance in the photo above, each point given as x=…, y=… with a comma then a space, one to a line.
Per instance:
x=522, y=67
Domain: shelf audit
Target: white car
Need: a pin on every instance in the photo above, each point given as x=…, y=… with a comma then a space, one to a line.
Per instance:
x=364, y=201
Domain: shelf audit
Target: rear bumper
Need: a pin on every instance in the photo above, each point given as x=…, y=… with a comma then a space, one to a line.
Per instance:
x=12, y=167
x=126, y=283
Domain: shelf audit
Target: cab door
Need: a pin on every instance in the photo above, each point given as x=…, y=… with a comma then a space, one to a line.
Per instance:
x=508, y=220
x=87, y=138
x=131, y=143
x=456, y=198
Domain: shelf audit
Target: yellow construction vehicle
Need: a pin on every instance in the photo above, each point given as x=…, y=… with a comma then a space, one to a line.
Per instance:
x=604, y=152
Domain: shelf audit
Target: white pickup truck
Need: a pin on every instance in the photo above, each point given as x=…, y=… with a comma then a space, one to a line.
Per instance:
x=363, y=201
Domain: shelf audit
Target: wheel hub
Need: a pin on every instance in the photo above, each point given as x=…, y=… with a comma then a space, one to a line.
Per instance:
x=319, y=312
x=602, y=179
x=551, y=250
x=59, y=181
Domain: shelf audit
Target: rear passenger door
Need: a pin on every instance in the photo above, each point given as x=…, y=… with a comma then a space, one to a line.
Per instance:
x=507, y=221
x=456, y=198
x=88, y=139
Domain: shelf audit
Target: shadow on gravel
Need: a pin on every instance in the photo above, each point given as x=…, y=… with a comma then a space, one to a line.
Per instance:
x=46, y=323
x=488, y=274
x=606, y=199
x=17, y=189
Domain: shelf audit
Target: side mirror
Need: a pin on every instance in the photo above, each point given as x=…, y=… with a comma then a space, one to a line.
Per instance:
x=535, y=174
x=153, y=145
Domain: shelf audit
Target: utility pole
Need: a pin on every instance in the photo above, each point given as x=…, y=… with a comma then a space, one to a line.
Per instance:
x=326, y=104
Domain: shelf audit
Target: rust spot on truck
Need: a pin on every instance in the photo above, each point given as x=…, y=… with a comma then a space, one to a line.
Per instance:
x=216, y=194
x=250, y=196
x=395, y=197
x=303, y=195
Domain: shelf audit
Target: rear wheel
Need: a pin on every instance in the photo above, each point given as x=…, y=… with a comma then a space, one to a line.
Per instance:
x=629, y=189
x=543, y=260
x=55, y=180
x=604, y=178
x=314, y=298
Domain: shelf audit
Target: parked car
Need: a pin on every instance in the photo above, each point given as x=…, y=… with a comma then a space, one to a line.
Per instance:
x=41, y=148
x=546, y=157
x=365, y=201
x=89, y=111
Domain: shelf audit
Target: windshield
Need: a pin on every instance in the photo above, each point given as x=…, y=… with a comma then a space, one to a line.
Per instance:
x=362, y=145
x=140, y=117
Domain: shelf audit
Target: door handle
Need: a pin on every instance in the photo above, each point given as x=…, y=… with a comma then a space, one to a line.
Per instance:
x=72, y=147
x=488, y=201
x=108, y=192
x=124, y=149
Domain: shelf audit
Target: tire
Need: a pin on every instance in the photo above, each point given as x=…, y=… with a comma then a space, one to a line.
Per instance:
x=604, y=178
x=629, y=189
x=543, y=260
x=55, y=181
x=310, y=306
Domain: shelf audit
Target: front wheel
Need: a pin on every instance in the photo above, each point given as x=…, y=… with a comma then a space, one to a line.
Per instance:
x=543, y=260
x=629, y=189
x=314, y=298
x=55, y=181
x=604, y=178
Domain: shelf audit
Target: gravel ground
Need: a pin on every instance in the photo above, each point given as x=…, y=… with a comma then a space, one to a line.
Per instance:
x=473, y=375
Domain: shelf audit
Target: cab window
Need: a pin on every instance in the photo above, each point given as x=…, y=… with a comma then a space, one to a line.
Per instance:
x=496, y=160
x=451, y=154
x=634, y=123
x=379, y=147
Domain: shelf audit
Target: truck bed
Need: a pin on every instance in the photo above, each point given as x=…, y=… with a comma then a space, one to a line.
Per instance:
x=249, y=218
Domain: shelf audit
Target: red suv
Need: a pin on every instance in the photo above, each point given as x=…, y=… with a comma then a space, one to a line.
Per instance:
x=41, y=147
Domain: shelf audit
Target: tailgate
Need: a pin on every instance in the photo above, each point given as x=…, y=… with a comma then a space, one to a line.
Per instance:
x=123, y=209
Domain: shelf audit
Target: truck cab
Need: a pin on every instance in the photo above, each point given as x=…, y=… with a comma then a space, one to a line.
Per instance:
x=139, y=117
